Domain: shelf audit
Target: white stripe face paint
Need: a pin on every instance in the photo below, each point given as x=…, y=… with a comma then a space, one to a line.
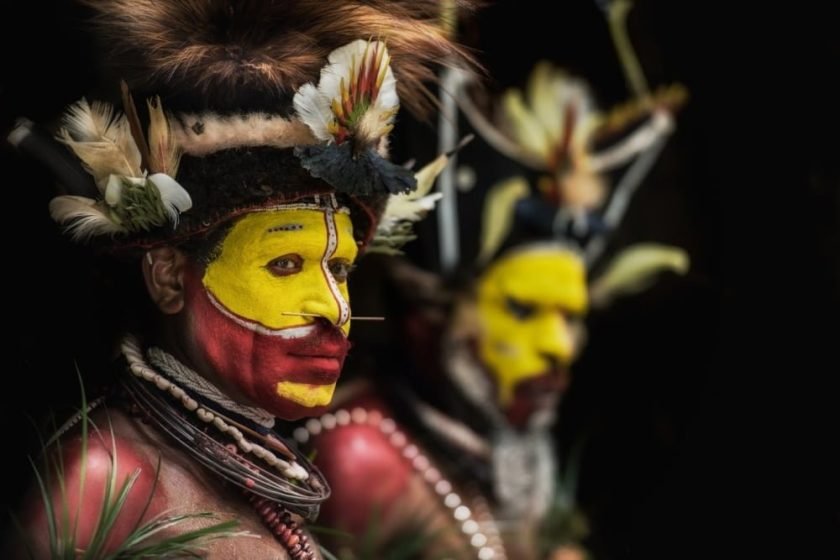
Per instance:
x=287, y=333
x=332, y=245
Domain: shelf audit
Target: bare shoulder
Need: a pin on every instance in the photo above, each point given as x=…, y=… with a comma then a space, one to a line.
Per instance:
x=97, y=488
x=355, y=449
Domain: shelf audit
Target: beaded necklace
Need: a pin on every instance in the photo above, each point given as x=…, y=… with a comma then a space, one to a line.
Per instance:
x=275, y=478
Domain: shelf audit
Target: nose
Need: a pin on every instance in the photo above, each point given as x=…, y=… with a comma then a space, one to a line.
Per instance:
x=324, y=299
x=554, y=339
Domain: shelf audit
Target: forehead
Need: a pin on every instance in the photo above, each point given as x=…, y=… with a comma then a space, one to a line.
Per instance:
x=291, y=224
x=545, y=276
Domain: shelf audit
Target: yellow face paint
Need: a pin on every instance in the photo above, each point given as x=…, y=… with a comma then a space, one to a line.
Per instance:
x=524, y=302
x=306, y=394
x=285, y=261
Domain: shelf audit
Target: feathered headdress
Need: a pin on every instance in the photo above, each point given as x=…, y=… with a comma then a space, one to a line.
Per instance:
x=250, y=105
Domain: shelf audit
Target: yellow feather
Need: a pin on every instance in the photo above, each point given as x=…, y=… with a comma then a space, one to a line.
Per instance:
x=544, y=86
x=525, y=127
x=635, y=269
x=497, y=218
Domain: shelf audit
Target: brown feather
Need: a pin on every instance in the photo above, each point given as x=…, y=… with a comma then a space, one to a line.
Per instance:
x=134, y=124
x=245, y=54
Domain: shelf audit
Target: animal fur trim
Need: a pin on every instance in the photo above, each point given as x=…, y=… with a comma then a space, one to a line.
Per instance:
x=242, y=54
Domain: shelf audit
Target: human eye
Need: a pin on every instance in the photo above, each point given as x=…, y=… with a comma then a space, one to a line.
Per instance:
x=519, y=309
x=340, y=269
x=285, y=265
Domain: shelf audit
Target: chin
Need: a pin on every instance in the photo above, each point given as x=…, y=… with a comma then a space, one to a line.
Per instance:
x=293, y=401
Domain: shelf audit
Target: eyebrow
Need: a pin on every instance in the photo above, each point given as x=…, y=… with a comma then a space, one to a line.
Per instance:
x=285, y=227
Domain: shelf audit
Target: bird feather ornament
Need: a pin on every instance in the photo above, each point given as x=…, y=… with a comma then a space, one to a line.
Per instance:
x=109, y=146
x=350, y=111
x=554, y=116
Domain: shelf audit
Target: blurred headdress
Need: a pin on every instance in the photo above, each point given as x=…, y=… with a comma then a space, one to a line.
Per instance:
x=565, y=171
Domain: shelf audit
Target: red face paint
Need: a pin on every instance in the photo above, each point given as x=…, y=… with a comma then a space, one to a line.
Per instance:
x=255, y=361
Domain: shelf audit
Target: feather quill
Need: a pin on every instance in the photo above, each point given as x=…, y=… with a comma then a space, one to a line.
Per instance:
x=497, y=218
x=83, y=218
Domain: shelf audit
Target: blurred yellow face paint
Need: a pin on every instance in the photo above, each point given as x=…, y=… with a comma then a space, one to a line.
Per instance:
x=285, y=261
x=525, y=301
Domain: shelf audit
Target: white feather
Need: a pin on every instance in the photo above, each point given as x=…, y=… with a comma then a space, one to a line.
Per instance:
x=86, y=123
x=313, y=108
x=314, y=105
x=82, y=217
x=174, y=197
x=101, y=140
x=401, y=208
x=338, y=68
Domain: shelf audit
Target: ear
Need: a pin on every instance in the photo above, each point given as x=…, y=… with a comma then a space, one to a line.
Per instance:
x=163, y=271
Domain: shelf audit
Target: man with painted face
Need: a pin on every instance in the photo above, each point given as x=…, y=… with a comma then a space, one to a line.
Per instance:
x=453, y=442
x=241, y=170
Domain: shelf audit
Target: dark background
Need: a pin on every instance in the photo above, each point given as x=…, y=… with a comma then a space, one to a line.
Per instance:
x=707, y=404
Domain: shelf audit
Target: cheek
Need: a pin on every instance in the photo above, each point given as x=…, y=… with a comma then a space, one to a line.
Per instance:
x=218, y=344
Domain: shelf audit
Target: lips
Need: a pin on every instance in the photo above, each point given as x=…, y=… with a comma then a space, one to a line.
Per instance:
x=318, y=357
x=315, y=370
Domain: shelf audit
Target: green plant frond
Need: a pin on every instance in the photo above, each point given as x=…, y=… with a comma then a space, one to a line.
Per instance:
x=188, y=544
x=48, y=510
x=138, y=544
x=111, y=509
x=151, y=494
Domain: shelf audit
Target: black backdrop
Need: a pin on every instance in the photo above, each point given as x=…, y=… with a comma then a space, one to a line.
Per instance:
x=708, y=402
